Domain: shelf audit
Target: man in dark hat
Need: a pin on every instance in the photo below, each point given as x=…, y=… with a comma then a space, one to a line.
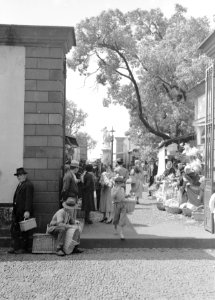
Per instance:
x=70, y=182
x=22, y=209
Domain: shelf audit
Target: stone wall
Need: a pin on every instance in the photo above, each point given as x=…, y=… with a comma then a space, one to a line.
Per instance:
x=43, y=126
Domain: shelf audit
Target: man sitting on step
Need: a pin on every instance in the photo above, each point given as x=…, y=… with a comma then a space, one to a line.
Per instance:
x=62, y=220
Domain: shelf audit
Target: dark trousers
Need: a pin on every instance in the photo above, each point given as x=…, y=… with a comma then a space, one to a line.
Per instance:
x=20, y=239
x=98, y=193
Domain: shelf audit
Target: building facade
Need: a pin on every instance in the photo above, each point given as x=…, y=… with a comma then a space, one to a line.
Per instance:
x=32, y=99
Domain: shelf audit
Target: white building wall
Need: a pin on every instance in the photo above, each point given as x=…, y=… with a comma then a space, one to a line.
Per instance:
x=12, y=89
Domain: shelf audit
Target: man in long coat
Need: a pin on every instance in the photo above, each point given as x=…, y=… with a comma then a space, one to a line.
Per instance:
x=70, y=182
x=22, y=209
x=88, y=188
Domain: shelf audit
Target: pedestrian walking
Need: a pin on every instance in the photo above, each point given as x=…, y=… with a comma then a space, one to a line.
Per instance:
x=88, y=188
x=153, y=169
x=22, y=209
x=118, y=195
x=137, y=184
x=145, y=172
x=121, y=171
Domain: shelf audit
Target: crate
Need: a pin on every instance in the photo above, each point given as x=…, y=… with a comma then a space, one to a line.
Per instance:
x=43, y=243
x=28, y=224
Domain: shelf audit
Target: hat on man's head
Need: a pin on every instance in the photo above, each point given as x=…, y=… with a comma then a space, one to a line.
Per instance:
x=119, y=160
x=89, y=168
x=69, y=203
x=20, y=171
x=74, y=163
x=119, y=179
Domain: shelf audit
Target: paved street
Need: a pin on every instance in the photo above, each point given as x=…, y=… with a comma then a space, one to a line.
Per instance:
x=110, y=274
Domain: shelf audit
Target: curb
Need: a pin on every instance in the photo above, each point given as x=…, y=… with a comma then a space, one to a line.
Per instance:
x=149, y=243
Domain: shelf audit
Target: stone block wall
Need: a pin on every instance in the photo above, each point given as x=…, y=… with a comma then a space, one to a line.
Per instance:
x=43, y=127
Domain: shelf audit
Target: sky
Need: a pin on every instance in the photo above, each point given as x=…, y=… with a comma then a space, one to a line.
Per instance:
x=70, y=12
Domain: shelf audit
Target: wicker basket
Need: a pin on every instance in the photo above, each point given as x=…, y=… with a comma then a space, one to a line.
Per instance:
x=186, y=212
x=43, y=243
x=160, y=206
x=80, y=214
x=28, y=224
x=198, y=216
x=130, y=205
x=173, y=210
x=72, y=239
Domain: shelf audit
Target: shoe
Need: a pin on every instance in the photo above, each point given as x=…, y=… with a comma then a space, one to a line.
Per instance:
x=77, y=251
x=103, y=220
x=122, y=236
x=20, y=251
x=11, y=251
x=60, y=252
x=109, y=221
x=88, y=222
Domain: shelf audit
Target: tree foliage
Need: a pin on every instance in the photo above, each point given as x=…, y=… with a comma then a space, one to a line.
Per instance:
x=86, y=138
x=147, y=62
x=75, y=118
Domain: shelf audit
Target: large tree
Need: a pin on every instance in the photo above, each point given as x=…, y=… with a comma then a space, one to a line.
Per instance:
x=147, y=62
x=85, y=139
x=75, y=118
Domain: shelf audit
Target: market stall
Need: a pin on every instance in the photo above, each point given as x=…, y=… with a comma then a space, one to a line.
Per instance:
x=182, y=191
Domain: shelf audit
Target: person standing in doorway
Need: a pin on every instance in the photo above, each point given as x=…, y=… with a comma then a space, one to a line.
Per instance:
x=22, y=209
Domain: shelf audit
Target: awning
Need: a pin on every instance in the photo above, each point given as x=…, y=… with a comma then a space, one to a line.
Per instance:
x=69, y=140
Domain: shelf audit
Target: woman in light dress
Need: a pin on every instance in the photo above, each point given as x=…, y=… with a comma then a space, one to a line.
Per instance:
x=106, y=205
x=137, y=183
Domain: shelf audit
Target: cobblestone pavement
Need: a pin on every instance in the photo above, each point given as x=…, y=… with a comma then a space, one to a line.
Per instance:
x=110, y=274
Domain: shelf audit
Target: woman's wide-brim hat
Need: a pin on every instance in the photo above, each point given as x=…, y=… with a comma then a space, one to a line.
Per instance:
x=20, y=171
x=74, y=163
x=119, y=179
x=70, y=203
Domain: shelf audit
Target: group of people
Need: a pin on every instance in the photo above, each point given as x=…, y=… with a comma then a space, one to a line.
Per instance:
x=106, y=184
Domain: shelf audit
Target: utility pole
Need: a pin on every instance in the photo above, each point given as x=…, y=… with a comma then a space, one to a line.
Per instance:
x=112, y=139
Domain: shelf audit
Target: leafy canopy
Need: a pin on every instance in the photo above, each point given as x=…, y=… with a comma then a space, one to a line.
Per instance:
x=147, y=62
x=75, y=118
